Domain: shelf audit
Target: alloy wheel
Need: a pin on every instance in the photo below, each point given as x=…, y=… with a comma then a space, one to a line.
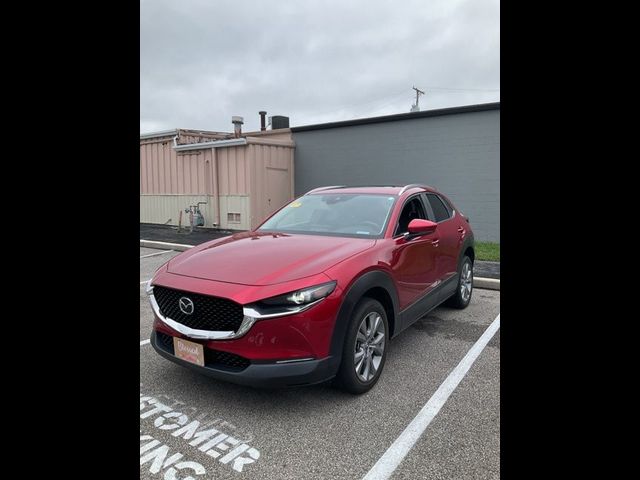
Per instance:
x=369, y=346
x=466, y=282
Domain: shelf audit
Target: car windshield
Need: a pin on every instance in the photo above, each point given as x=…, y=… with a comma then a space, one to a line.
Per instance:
x=349, y=215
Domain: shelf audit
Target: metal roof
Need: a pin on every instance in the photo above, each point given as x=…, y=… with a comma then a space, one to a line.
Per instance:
x=164, y=133
x=401, y=116
x=184, y=131
x=214, y=144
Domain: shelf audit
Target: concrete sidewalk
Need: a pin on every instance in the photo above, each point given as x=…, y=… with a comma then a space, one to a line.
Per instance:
x=169, y=234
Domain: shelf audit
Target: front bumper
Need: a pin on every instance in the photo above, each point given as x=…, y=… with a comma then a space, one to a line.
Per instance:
x=267, y=375
x=305, y=334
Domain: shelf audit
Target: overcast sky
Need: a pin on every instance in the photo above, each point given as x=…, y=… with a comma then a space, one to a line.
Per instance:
x=202, y=61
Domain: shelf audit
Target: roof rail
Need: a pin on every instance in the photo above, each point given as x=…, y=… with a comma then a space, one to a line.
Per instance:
x=412, y=185
x=319, y=189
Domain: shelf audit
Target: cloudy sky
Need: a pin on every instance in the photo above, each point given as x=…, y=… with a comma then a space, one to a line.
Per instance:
x=202, y=61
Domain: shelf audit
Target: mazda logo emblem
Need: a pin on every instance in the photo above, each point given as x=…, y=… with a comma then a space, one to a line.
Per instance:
x=186, y=305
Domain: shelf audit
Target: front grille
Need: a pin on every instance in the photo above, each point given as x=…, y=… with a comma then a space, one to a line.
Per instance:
x=209, y=313
x=212, y=358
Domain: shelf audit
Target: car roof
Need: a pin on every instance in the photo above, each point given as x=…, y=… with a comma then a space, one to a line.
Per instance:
x=371, y=189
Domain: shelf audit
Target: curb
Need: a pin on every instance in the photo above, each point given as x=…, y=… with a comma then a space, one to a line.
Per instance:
x=478, y=282
x=179, y=247
x=486, y=283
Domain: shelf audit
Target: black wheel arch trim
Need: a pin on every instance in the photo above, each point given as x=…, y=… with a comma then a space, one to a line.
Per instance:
x=367, y=281
x=469, y=242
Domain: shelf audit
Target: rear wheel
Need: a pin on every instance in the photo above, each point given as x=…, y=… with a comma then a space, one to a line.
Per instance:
x=462, y=296
x=365, y=347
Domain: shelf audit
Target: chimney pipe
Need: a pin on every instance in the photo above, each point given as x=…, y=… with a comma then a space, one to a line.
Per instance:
x=237, y=125
x=262, y=113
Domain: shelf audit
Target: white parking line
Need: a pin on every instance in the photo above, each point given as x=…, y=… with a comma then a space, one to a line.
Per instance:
x=157, y=253
x=145, y=281
x=386, y=465
x=144, y=342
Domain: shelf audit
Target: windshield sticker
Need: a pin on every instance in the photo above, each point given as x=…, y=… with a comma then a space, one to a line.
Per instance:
x=295, y=204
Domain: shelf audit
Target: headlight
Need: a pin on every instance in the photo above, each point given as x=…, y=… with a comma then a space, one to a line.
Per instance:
x=301, y=297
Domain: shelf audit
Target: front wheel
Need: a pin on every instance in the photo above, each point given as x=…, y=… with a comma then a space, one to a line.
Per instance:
x=365, y=347
x=462, y=296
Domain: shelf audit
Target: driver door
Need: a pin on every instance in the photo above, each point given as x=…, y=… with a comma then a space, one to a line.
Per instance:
x=414, y=259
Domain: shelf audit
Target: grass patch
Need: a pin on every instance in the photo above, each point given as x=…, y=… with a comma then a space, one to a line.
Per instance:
x=488, y=251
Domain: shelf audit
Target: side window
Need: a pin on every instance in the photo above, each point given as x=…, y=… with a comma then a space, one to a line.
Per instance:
x=440, y=210
x=412, y=209
x=448, y=204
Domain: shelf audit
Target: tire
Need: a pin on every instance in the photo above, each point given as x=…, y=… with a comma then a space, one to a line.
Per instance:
x=368, y=321
x=462, y=297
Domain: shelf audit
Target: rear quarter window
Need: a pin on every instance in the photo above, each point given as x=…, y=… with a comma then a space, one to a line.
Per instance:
x=441, y=210
x=448, y=204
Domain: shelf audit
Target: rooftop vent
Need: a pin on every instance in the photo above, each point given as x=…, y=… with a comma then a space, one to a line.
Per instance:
x=237, y=125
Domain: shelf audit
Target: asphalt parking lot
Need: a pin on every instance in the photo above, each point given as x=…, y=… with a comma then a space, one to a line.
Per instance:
x=191, y=425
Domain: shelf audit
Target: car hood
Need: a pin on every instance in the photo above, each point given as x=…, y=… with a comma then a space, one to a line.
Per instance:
x=252, y=258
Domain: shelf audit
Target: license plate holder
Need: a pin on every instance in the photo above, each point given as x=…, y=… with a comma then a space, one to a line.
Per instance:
x=189, y=351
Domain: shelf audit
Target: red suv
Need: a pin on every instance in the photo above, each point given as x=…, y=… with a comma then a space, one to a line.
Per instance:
x=317, y=291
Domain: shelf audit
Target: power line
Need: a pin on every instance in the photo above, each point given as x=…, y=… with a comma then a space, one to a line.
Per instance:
x=357, y=106
x=382, y=107
x=360, y=104
x=464, y=89
x=403, y=91
x=396, y=99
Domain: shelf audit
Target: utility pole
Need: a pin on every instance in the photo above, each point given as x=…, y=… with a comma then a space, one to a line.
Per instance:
x=416, y=107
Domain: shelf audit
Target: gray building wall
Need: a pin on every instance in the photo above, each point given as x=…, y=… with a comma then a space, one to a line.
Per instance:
x=459, y=154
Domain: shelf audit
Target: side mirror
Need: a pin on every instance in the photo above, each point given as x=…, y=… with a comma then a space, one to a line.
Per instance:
x=421, y=227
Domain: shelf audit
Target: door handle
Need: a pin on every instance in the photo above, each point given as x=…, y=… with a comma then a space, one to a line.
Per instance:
x=435, y=243
x=460, y=229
